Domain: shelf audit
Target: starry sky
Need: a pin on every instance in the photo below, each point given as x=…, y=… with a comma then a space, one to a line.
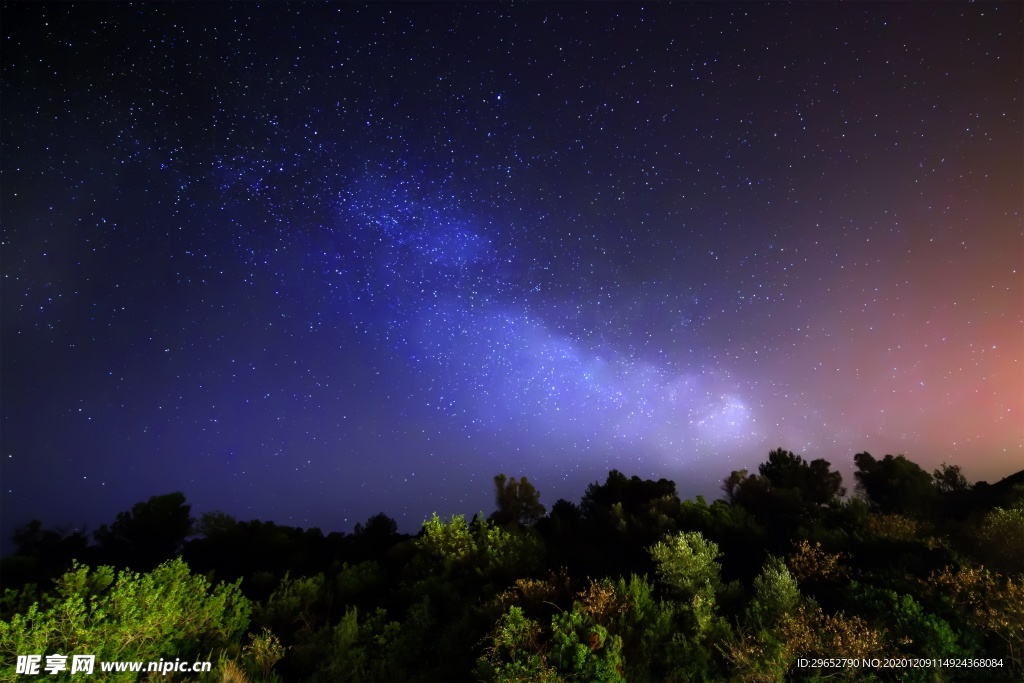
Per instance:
x=309, y=262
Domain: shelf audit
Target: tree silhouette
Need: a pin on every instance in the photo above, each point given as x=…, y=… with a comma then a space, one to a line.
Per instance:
x=216, y=524
x=373, y=538
x=150, y=533
x=816, y=483
x=518, y=502
x=950, y=479
x=752, y=491
x=894, y=484
x=633, y=494
x=731, y=485
x=623, y=517
x=49, y=544
x=42, y=554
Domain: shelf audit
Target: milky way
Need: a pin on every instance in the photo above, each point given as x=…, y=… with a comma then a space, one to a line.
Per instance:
x=419, y=276
x=311, y=262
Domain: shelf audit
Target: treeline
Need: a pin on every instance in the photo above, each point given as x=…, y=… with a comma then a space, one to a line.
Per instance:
x=923, y=571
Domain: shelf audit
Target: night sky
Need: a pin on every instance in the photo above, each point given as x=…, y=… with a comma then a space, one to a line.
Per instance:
x=306, y=263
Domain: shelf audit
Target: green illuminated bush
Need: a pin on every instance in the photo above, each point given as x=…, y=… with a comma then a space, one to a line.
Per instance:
x=165, y=613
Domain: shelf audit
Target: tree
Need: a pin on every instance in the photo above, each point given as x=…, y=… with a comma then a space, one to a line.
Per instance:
x=811, y=633
x=379, y=525
x=956, y=497
x=687, y=563
x=626, y=516
x=264, y=651
x=914, y=630
x=776, y=595
x=894, y=484
x=815, y=481
x=374, y=538
x=783, y=469
x=584, y=649
x=565, y=519
x=297, y=606
x=758, y=653
x=950, y=479
x=366, y=647
x=42, y=554
x=455, y=549
x=991, y=602
x=634, y=494
x=810, y=564
x=1001, y=539
x=216, y=524
x=750, y=491
x=518, y=502
x=649, y=630
x=150, y=533
x=823, y=485
x=731, y=485
x=448, y=543
x=165, y=613
x=514, y=651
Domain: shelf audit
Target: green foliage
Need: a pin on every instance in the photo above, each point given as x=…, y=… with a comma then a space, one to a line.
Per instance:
x=632, y=495
x=575, y=648
x=589, y=641
x=166, y=613
x=506, y=553
x=776, y=595
x=991, y=603
x=354, y=581
x=362, y=650
x=450, y=543
x=483, y=548
x=454, y=580
x=911, y=630
x=297, y=605
x=264, y=651
x=647, y=627
x=514, y=652
x=887, y=575
x=687, y=563
x=583, y=649
x=1001, y=539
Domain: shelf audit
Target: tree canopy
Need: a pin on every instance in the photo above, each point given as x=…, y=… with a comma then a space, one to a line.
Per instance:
x=518, y=502
x=151, y=531
x=895, y=484
x=631, y=584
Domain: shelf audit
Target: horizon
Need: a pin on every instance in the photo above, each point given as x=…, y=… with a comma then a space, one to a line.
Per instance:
x=848, y=493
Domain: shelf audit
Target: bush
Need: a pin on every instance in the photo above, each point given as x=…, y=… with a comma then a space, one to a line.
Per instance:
x=165, y=613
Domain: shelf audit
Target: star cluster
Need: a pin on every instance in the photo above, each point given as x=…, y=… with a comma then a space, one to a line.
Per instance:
x=307, y=262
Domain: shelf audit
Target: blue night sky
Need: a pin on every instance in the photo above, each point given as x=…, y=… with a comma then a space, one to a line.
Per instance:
x=309, y=262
